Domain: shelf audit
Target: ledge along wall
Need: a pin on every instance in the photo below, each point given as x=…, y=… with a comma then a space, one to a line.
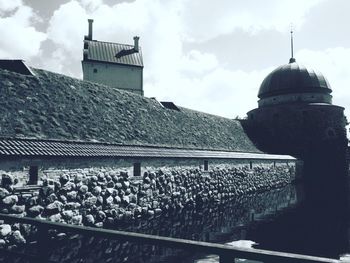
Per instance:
x=53, y=168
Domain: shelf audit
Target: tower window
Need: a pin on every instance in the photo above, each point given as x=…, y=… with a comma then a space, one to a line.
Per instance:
x=137, y=169
x=33, y=175
x=206, y=165
x=95, y=70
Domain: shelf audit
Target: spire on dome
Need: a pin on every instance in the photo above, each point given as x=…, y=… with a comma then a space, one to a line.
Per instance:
x=292, y=59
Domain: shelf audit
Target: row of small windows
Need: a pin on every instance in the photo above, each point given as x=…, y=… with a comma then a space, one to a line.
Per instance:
x=34, y=170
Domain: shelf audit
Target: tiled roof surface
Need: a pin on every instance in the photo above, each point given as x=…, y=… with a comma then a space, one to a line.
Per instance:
x=50, y=106
x=106, y=51
x=27, y=147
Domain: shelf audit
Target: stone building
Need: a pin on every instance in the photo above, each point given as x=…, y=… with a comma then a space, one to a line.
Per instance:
x=53, y=124
x=295, y=115
x=116, y=65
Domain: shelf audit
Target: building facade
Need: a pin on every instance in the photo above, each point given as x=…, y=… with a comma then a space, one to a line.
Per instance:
x=295, y=115
x=116, y=65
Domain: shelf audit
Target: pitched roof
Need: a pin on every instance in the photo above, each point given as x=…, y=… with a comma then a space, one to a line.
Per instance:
x=54, y=106
x=30, y=147
x=106, y=52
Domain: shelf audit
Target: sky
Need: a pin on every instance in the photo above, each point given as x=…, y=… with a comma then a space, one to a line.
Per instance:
x=205, y=55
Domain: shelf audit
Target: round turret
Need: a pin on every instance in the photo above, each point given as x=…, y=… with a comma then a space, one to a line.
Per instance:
x=294, y=83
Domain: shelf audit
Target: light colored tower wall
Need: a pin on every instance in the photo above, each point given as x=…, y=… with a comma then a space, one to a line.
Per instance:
x=123, y=77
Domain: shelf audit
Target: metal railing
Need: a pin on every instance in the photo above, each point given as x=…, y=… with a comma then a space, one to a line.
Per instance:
x=226, y=253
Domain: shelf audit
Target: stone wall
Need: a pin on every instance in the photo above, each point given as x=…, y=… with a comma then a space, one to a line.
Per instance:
x=53, y=168
x=211, y=223
x=106, y=197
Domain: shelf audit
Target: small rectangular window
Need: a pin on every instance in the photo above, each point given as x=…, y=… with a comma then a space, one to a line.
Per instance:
x=251, y=165
x=137, y=169
x=33, y=175
x=206, y=165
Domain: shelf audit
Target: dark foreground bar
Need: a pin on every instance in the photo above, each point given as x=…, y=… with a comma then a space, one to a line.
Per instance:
x=226, y=253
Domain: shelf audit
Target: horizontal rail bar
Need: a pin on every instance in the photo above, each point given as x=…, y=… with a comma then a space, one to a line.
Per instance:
x=210, y=248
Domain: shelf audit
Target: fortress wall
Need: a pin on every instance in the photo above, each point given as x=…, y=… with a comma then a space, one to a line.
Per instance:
x=55, y=167
x=297, y=129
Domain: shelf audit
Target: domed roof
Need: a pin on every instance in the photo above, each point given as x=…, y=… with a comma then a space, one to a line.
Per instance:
x=293, y=78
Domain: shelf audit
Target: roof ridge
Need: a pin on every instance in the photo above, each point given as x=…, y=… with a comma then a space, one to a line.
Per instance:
x=108, y=42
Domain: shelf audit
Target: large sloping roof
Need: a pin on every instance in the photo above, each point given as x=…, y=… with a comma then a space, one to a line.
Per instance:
x=54, y=106
x=107, y=51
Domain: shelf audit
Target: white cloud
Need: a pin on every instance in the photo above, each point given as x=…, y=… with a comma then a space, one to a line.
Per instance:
x=19, y=39
x=67, y=27
x=206, y=19
x=198, y=62
x=91, y=5
x=194, y=79
x=221, y=91
x=6, y=5
x=333, y=63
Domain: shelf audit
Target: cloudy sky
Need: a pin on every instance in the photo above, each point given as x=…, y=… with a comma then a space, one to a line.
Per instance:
x=202, y=54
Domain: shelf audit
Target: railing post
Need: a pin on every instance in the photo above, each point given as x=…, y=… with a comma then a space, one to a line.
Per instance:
x=225, y=258
x=43, y=243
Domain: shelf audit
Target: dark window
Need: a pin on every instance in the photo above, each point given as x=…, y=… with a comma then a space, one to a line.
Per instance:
x=252, y=116
x=95, y=70
x=206, y=165
x=274, y=163
x=251, y=165
x=33, y=175
x=137, y=169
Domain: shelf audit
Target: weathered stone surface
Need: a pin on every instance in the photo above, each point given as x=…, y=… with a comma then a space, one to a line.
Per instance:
x=109, y=200
x=35, y=210
x=69, y=186
x=90, y=202
x=77, y=220
x=17, y=209
x=89, y=220
x=32, y=201
x=72, y=196
x=54, y=208
x=3, y=193
x=46, y=191
x=55, y=218
x=83, y=189
x=10, y=200
x=2, y=243
x=97, y=190
x=17, y=238
x=67, y=215
x=72, y=205
x=5, y=229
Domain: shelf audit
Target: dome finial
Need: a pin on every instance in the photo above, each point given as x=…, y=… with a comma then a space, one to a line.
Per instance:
x=292, y=59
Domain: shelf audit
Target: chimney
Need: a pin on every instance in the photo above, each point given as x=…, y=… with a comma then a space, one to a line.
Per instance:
x=136, y=43
x=90, y=29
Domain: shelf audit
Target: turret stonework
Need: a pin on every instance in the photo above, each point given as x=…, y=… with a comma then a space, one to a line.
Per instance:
x=296, y=115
